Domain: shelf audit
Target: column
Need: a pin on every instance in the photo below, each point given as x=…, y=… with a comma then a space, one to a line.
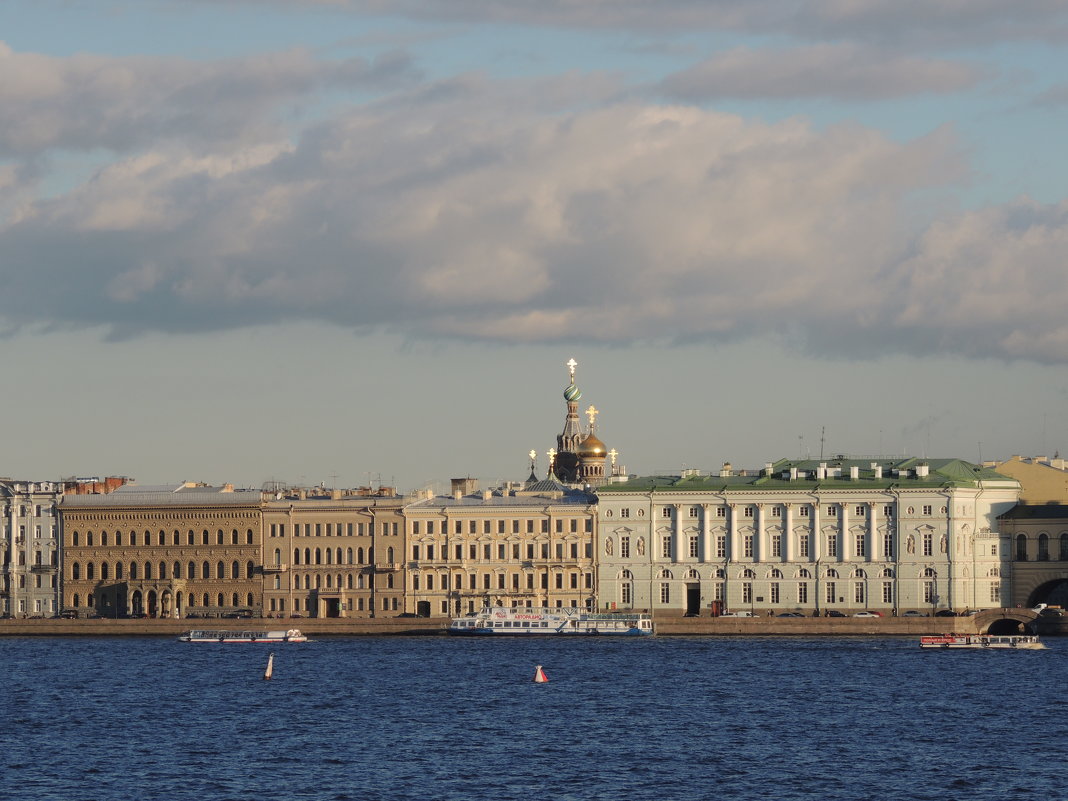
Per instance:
x=845, y=541
x=733, y=548
x=679, y=549
x=788, y=532
x=816, y=536
x=875, y=545
x=707, y=549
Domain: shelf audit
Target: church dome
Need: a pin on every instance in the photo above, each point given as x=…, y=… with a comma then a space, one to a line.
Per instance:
x=572, y=394
x=591, y=447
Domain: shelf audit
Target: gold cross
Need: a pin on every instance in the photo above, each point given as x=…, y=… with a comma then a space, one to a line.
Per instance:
x=592, y=413
x=613, y=454
x=571, y=365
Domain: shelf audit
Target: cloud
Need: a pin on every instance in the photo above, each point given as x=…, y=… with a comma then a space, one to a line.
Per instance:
x=89, y=102
x=959, y=22
x=494, y=211
x=847, y=72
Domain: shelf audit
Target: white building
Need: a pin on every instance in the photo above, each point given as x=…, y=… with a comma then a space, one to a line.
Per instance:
x=29, y=539
x=844, y=534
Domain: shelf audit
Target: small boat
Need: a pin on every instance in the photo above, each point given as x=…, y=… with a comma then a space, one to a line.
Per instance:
x=1019, y=642
x=502, y=620
x=224, y=635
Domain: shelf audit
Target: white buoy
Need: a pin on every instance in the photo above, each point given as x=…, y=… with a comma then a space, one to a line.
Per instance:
x=270, y=667
x=539, y=676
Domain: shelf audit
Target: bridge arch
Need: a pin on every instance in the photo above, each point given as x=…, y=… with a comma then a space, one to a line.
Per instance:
x=1053, y=592
x=1005, y=621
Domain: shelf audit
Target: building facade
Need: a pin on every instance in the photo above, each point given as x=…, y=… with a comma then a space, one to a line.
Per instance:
x=334, y=555
x=530, y=546
x=29, y=537
x=841, y=535
x=177, y=551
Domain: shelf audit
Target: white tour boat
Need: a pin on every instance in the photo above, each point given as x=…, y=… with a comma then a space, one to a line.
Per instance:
x=224, y=635
x=1020, y=642
x=502, y=620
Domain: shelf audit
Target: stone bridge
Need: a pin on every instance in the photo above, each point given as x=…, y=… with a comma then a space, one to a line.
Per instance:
x=1004, y=621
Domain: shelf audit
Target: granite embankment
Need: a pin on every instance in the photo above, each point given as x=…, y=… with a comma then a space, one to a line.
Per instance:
x=665, y=625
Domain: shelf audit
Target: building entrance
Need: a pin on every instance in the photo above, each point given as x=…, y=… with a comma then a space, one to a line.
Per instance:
x=693, y=599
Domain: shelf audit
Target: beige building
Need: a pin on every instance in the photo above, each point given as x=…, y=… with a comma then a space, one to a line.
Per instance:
x=333, y=555
x=1042, y=479
x=172, y=551
x=531, y=546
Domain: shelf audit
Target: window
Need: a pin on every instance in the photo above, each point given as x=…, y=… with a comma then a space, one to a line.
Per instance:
x=693, y=511
x=802, y=545
x=802, y=511
x=830, y=592
x=748, y=511
x=802, y=592
x=832, y=511
x=995, y=592
x=721, y=546
x=776, y=511
x=626, y=593
x=747, y=545
x=859, y=544
x=888, y=545
x=775, y=592
x=747, y=592
x=929, y=592
x=928, y=543
x=888, y=592
x=888, y=510
x=858, y=593
x=860, y=511
x=927, y=509
x=776, y=545
x=665, y=546
x=624, y=546
x=695, y=545
x=832, y=545
x=1043, y=547
x=1063, y=556
x=1021, y=548
x=666, y=512
x=721, y=511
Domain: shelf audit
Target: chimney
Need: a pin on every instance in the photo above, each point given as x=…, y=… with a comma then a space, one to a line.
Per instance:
x=854, y=472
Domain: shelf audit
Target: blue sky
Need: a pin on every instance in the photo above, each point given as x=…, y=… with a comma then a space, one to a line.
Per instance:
x=302, y=239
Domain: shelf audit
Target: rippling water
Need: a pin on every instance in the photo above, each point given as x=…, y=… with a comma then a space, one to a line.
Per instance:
x=440, y=718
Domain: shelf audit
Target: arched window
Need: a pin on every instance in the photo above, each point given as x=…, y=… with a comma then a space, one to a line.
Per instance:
x=307, y=556
x=103, y=538
x=1021, y=548
x=74, y=538
x=176, y=571
x=90, y=571
x=929, y=572
x=249, y=600
x=348, y=580
x=249, y=568
x=148, y=538
x=1043, y=547
x=389, y=554
x=832, y=573
x=775, y=573
x=278, y=556
x=133, y=571
x=221, y=600
x=1063, y=557
x=118, y=538
x=204, y=537
x=858, y=573
x=804, y=574
x=994, y=572
x=76, y=601
x=329, y=556
x=191, y=572
x=205, y=570
x=329, y=581
x=348, y=556
x=665, y=574
x=75, y=573
x=748, y=573
x=207, y=600
x=177, y=538
x=104, y=571
x=148, y=570
x=89, y=539
x=318, y=581
x=887, y=573
x=219, y=541
x=235, y=600
x=162, y=570
x=162, y=537
x=233, y=537
x=220, y=571
x=118, y=571
x=359, y=556
x=318, y=557
x=248, y=538
x=235, y=570
x=192, y=537
x=339, y=557
x=296, y=556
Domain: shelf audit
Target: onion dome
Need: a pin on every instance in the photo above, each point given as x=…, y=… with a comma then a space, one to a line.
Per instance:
x=572, y=393
x=592, y=447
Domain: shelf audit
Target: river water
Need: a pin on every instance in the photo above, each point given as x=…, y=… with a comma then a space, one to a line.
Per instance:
x=458, y=718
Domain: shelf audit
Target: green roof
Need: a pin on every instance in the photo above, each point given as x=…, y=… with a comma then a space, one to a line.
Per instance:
x=941, y=473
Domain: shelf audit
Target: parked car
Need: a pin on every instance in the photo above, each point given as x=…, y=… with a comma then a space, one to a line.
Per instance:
x=1038, y=607
x=789, y=614
x=945, y=613
x=913, y=613
x=738, y=614
x=834, y=613
x=867, y=614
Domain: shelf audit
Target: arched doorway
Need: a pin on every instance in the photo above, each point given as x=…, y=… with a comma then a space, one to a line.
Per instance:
x=166, y=604
x=1053, y=593
x=137, y=604
x=153, y=607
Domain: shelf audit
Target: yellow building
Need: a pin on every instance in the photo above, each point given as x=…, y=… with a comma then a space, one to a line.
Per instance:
x=333, y=555
x=531, y=546
x=1042, y=480
x=176, y=551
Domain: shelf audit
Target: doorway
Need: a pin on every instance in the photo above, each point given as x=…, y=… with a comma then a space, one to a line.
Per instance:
x=693, y=599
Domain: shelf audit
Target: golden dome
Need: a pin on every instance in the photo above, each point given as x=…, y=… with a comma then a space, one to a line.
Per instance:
x=592, y=447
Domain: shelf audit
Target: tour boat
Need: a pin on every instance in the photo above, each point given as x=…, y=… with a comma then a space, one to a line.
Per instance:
x=1027, y=643
x=223, y=635
x=501, y=620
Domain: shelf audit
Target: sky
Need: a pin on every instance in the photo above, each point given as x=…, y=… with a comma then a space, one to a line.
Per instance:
x=349, y=242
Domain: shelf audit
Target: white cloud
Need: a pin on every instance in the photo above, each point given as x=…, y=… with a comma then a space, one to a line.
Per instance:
x=848, y=72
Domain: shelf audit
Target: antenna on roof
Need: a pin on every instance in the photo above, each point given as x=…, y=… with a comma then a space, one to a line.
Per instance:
x=823, y=431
